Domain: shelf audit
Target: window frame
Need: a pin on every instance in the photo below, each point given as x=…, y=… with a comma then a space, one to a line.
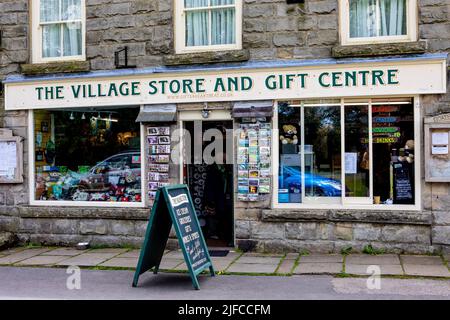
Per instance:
x=411, y=26
x=180, y=30
x=363, y=203
x=36, y=36
x=98, y=204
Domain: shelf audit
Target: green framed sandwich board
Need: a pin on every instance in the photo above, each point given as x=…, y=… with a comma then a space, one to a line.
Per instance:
x=173, y=206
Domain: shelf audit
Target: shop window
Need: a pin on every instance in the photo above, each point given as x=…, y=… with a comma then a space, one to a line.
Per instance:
x=205, y=25
x=91, y=156
x=58, y=30
x=346, y=153
x=371, y=21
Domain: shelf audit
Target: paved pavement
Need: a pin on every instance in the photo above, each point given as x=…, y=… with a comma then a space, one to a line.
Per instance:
x=51, y=283
x=238, y=263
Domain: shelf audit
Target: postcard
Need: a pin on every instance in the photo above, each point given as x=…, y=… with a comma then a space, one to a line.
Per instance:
x=264, y=189
x=264, y=173
x=242, y=196
x=253, y=189
x=152, y=131
x=152, y=185
x=152, y=139
x=242, y=173
x=242, y=189
x=163, y=148
x=253, y=173
x=164, y=140
x=163, y=167
x=164, y=158
x=163, y=177
x=242, y=181
x=164, y=131
x=153, y=176
x=152, y=195
x=253, y=182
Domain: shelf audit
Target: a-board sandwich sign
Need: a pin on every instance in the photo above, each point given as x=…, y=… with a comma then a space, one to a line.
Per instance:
x=173, y=206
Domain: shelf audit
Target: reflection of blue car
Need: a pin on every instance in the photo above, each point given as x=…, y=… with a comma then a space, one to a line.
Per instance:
x=320, y=186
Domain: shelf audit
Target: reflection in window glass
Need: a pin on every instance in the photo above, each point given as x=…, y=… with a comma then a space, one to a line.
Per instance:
x=289, y=184
x=357, y=165
x=322, y=151
x=87, y=156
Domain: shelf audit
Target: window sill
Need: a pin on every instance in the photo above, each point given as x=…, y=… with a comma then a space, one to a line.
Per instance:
x=55, y=67
x=379, y=49
x=348, y=215
x=207, y=57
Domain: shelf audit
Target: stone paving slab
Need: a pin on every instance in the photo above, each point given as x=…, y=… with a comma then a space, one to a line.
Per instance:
x=385, y=269
x=287, y=265
x=221, y=264
x=422, y=260
x=121, y=262
x=259, y=260
x=239, y=267
x=12, y=250
x=175, y=254
x=41, y=260
x=426, y=270
x=109, y=250
x=22, y=255
x=170, y=264
x=325, y=258
x=64, y=252
x=318, y=268
x=365, y=259
x=87, y=259
x=130, y=254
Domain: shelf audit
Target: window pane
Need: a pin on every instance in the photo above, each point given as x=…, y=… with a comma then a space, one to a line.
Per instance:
x=72, y=39
x=357, y=166
x=223, y=26
x=393, y=153
x=87, y=158
x=221, y=2
x=197, y=28
x=51, y=41
x=372, y=18
x=50, y=10
x=289, y=181
x=71, y=9
x=195, y=3
x=322, y=151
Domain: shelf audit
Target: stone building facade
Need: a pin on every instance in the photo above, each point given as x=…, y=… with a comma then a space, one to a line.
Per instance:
x=271, y=30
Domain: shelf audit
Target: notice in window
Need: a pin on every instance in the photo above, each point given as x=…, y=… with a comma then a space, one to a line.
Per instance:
x=351, y=159
x=8, y=161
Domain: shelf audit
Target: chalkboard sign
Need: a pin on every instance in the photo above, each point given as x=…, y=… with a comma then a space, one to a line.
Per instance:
x=173, y=206
x=403, y=191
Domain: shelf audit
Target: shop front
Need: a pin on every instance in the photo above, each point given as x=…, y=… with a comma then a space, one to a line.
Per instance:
x=278, y=155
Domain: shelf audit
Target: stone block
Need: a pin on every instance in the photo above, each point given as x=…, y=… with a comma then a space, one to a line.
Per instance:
x=441, y=235
x=65, y=226
x=93, y=227
x=264, y=230
x=441, y=217
x=344, y=231
x=302, y=231
x=409, y=234
x=242, y=229
x=122, y=227
x=366, y=232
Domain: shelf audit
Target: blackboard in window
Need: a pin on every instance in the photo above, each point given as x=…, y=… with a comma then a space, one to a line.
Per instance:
x=173, y=206
x=403, y=185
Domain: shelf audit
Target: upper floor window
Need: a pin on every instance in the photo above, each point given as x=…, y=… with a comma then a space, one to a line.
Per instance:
x=372, y=21
x=203, y=25
x=58, y=30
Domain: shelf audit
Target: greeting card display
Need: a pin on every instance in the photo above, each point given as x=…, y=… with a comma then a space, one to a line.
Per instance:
x=158, y=139
x=253, y=158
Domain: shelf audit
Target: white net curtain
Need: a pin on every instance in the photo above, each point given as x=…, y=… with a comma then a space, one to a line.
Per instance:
x=376, y=18
x=209, y=23
x=61, y=28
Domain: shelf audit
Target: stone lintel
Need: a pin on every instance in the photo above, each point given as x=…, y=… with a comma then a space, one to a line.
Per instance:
x=379, y=49
x=207, y=57
x=55, y=67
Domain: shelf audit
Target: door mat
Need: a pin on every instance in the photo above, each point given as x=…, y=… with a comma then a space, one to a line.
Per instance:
x=218, y=253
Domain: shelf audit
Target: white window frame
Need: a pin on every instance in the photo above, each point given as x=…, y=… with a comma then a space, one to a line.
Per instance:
x=411, y=26
x=98, y=204
x=180, y=29
x=36, y=35
x=363, y=203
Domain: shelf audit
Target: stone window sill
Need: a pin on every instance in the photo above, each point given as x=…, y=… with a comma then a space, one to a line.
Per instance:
x=350, y=215
x=55, y=67
x=207, y=57
x=379, y=49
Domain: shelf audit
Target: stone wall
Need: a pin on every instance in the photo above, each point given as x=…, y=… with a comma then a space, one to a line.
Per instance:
x=272, y=29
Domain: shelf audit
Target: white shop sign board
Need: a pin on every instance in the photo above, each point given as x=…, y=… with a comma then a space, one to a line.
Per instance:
x=400, y=77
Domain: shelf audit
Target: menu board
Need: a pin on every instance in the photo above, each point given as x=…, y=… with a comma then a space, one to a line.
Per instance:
x=8, y=159
x=403, y=191
x=173, y=206
x=253, y=158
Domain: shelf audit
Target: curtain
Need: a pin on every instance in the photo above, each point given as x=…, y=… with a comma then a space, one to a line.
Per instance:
x=372, y=18
x=70, y=34
x=199, y=27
